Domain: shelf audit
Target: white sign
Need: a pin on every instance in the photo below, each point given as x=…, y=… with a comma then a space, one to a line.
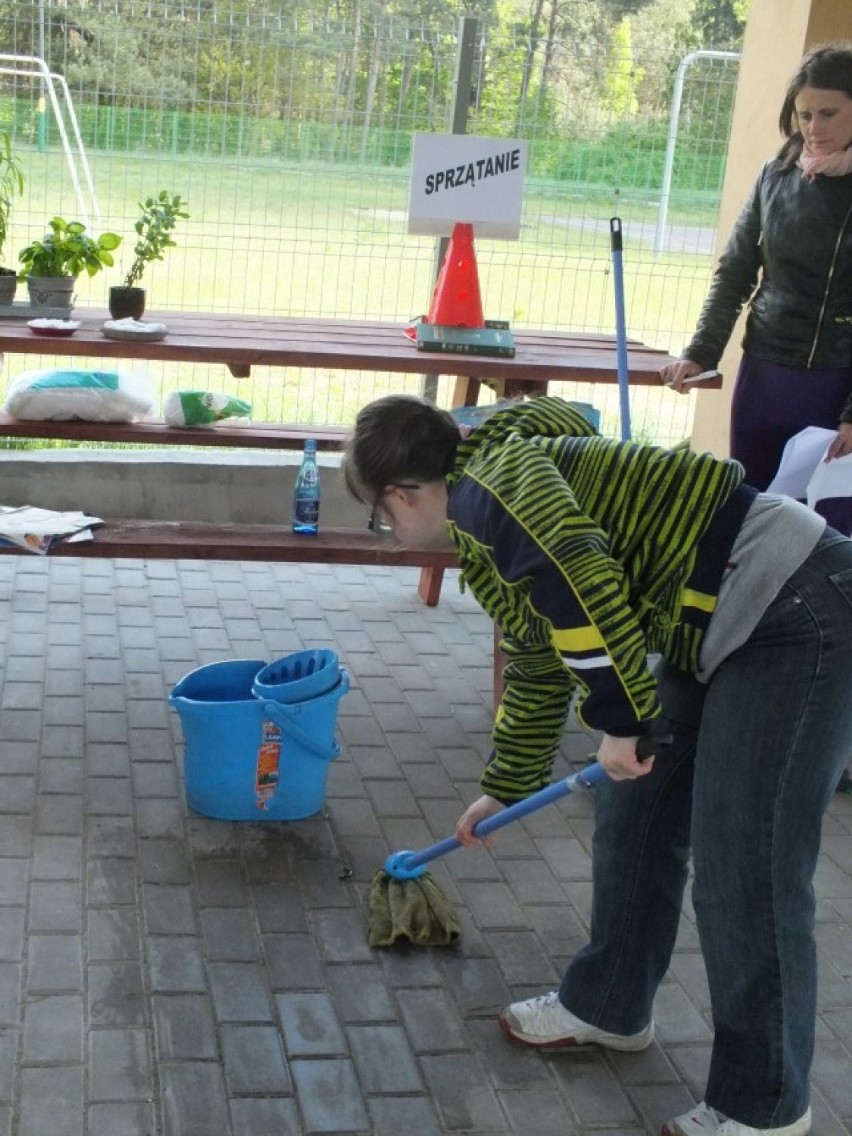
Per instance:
x=462, y=177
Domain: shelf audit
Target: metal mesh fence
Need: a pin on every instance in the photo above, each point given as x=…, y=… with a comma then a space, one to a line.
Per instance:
x=290, y=138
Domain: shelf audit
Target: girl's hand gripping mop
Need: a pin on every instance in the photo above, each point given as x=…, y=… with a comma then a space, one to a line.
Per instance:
x=407, y=904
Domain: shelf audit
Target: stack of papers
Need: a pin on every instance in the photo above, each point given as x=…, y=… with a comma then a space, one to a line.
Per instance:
x=36, y=530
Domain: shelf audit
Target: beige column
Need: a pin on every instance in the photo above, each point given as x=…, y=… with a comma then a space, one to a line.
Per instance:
x=777, y=34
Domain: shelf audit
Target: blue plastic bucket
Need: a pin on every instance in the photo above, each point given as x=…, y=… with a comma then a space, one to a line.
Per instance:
x=247, y=758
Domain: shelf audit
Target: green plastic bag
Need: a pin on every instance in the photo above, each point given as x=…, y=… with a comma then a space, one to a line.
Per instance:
x=203, y=408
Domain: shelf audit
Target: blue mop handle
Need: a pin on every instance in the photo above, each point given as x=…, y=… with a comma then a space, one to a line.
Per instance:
x=585, y=778
x=620, y=328
x=409, y=865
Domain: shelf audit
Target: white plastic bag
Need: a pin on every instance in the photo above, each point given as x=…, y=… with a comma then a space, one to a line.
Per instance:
x=63, y=394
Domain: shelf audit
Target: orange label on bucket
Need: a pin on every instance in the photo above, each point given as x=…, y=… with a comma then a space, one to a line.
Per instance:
x=268, y=762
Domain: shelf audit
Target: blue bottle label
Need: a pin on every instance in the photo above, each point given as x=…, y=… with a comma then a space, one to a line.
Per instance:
x=306, y=511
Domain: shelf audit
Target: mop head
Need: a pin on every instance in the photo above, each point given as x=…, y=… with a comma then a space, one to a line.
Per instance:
x=416, y=911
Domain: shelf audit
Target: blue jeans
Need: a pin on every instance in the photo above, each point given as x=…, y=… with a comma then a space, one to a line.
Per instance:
x=756, y=756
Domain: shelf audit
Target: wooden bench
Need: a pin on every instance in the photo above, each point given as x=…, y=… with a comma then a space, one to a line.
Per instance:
x=200, y=540
x=254, y=435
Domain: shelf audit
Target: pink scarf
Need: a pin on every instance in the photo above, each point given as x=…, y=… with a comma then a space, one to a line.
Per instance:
x=836, y=164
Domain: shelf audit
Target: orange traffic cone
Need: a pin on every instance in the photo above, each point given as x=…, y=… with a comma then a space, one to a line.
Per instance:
x=456, y=300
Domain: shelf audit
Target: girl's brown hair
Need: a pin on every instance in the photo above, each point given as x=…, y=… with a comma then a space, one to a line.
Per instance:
x=398, y=439
x=826, y=68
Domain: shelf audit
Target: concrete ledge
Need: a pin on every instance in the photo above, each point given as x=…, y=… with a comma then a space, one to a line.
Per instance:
x=172, y=485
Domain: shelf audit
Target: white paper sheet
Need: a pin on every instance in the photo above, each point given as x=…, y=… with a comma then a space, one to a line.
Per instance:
x=802, y=455
x=35, y=530
x=830, y=479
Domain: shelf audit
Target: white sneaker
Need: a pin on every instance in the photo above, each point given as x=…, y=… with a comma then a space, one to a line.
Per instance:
x=545, y=1023
x=706, y=1121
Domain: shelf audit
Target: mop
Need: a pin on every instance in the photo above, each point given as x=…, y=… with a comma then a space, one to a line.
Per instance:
x=405, y=902
x=620, y=328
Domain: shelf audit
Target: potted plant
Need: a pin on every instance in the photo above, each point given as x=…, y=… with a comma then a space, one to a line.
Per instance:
x=52, y=265
x=11, y=185
x=153, y=228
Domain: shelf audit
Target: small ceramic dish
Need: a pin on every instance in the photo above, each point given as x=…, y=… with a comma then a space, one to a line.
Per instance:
x=129, y=329
x=56, y=327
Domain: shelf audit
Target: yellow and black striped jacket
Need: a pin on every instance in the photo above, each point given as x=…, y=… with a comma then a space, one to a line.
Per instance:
x=589, y=554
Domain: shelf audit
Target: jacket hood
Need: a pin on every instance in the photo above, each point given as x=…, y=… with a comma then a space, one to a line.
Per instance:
x=545, y=417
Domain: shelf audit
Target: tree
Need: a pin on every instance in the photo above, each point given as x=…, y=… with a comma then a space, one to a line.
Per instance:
x=663, y=33
x=622, y=76
x=720, y=23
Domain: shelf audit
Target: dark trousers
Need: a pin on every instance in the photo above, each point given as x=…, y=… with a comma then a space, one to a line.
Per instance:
x=756, y=756
x=770, y=404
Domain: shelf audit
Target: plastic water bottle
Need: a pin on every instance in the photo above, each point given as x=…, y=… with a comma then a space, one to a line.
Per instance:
x=306, y=496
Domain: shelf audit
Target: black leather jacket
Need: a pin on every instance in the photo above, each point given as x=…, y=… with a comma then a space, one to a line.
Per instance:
x=791, y=252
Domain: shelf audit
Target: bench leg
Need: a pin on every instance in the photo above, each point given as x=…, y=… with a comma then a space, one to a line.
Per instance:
x=429, y=588
x=465, y=391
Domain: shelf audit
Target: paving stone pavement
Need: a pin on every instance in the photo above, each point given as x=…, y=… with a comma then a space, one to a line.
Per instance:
x=163, y=973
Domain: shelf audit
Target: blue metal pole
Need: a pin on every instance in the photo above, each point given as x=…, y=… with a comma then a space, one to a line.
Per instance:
x=620, y=328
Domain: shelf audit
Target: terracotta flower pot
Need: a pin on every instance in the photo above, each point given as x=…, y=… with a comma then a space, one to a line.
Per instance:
x=124, y=302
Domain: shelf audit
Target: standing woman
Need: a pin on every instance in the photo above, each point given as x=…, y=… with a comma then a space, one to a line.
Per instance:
x=790, y=257
x=590, y=555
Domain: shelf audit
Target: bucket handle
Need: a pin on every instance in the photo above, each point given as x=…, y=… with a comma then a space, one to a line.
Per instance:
x=275, y=711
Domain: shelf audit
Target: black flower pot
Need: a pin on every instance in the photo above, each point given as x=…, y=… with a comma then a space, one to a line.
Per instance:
x=126, y=302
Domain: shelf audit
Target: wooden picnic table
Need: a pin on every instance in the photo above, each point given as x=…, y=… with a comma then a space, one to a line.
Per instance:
x=241, y=342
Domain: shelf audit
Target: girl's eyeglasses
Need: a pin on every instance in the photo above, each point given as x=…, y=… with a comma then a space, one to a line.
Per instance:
x=376, y=523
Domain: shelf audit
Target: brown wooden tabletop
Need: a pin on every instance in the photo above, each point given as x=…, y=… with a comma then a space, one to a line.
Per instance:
x=242, y=341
